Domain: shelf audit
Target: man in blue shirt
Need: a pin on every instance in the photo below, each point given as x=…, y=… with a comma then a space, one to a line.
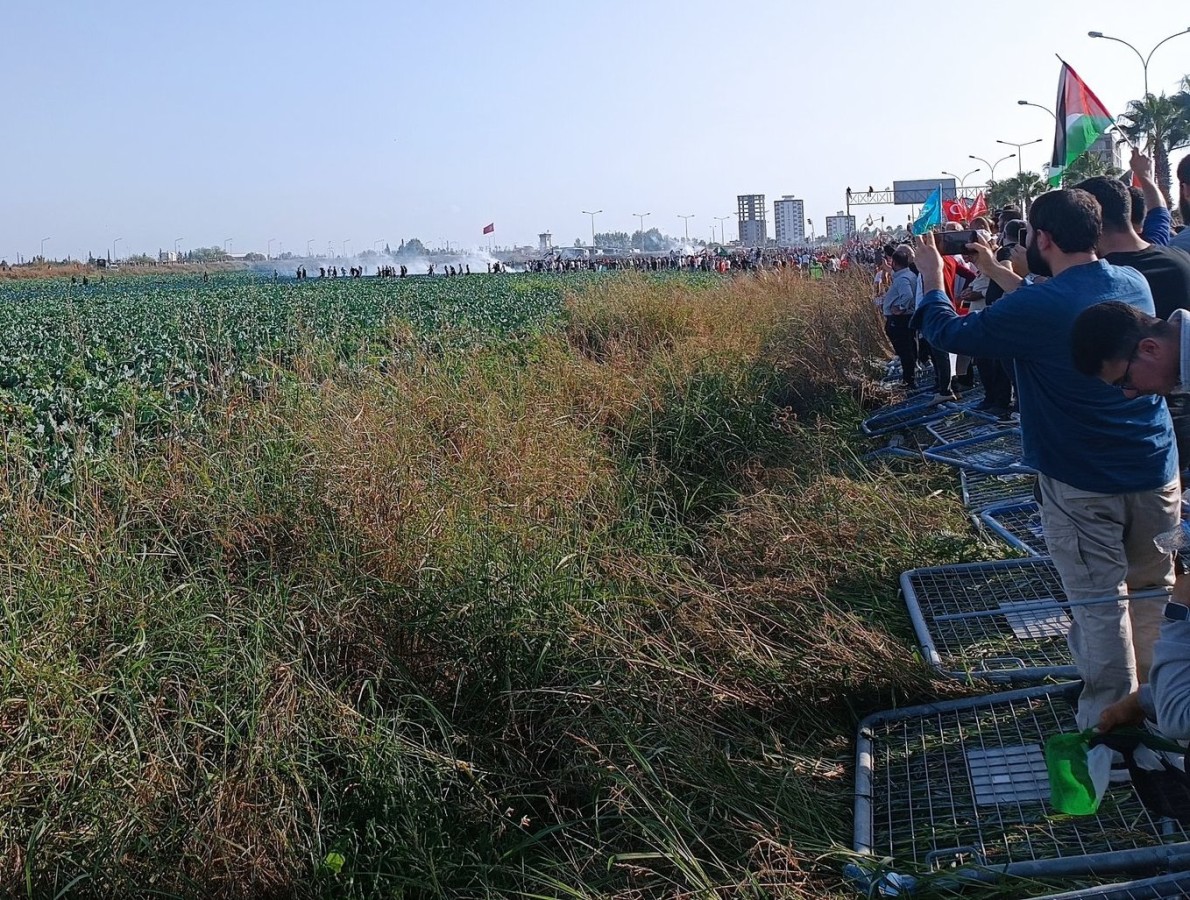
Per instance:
x=896, y=304
x=1139, y=354
x=1107, y=471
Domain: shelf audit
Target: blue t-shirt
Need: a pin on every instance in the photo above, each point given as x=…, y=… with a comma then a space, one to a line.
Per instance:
x=1155, y=227
x=1075, y=428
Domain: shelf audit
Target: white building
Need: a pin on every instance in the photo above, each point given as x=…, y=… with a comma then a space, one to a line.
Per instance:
x=839, y=227
x=753, y=227
x=789, y=221
x=1108, y=151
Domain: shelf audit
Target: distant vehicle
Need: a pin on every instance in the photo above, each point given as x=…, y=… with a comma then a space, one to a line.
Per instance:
x=571, y=253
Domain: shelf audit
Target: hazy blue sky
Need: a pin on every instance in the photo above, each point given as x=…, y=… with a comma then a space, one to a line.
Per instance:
x=294, y=120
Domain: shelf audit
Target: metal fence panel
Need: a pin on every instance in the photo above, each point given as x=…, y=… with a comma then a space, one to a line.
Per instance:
x=919, y=819
x=1176, y=884
x=1018, y=525
x=981, y=490
x=909, y=413
x=962, y=426
x=998, y=453
x=1017, y=632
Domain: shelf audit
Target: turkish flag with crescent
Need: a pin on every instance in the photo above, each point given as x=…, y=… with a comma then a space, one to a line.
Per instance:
x=954, y=210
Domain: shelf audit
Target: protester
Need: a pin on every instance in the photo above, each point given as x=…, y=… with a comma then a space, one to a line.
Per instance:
x=1142, y=354
x=1166, y=270
x=897, y=305
x=994, y=373
x=1151, y=220
x=956, y=276
x=1107, y=474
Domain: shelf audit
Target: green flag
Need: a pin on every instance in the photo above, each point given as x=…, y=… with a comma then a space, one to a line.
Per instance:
x=1081, y=119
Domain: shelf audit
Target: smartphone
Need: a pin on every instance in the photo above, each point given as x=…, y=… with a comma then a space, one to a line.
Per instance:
x=952, y=243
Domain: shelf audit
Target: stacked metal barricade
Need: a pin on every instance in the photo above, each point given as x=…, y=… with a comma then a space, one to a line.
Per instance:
x=956, y=792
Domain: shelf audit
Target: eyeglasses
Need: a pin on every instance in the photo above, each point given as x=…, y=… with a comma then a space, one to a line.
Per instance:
x=1124, y=382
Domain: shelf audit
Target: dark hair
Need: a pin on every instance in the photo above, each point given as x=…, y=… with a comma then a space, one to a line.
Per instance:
x=902, y=257
x=1111, y=330
x=1184, y=170
x=1070, y=217
x=1138, y=207
x=889, y=249
x=1115, y=204
x=1008, y=213
x=1014, y=231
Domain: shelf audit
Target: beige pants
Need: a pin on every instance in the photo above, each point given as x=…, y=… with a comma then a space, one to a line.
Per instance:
x=1102, y=546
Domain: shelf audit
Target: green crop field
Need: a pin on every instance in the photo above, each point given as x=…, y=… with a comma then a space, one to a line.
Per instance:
x=80, y=365
x=478, y=587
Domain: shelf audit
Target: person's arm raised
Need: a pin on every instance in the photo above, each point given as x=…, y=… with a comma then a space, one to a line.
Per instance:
x=985, y=259
x=1142, y=169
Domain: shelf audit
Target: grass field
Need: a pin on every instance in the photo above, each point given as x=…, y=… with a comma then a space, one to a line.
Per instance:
x=484, y=587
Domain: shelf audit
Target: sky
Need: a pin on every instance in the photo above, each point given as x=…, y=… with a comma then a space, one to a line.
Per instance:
x=137, y=123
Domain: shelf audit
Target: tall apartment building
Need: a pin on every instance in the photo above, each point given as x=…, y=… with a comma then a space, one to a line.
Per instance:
x=1106, y=148
x=753, y=227
x=789, y=221
x=839, y=227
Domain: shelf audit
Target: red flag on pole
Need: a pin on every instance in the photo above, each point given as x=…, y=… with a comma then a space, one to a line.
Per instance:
x=955, y=210
x=979, y=207
x=489, y=228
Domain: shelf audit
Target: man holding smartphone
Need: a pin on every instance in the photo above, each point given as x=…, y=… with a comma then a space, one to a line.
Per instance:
x=1107, y=469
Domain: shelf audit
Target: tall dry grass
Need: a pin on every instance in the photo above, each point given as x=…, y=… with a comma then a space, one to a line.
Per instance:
x=590, y=615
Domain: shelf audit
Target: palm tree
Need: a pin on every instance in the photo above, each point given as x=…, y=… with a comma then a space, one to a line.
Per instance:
x=1166, y=122
x=1088, y=166
x=1019, y=190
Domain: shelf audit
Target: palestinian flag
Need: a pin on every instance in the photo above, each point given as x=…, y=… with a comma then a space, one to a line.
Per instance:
x=1081, y=116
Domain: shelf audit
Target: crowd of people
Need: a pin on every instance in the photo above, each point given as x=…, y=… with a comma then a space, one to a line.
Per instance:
x=1080, y=308
x=816, y=261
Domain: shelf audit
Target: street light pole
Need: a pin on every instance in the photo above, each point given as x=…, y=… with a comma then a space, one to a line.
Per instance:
x=686, y=222
x=268, y=253
x=642, y=217
x=227, y=246
x=1053, y=115
x=962, y=181
x=346, y=241
x=1144, y=60
x=592, y=215
x=722, y=233
x=176, y=242
x=116, y=241
x=1019, y=167
x=309, y=252
x=991, y=165
x=43, y=240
